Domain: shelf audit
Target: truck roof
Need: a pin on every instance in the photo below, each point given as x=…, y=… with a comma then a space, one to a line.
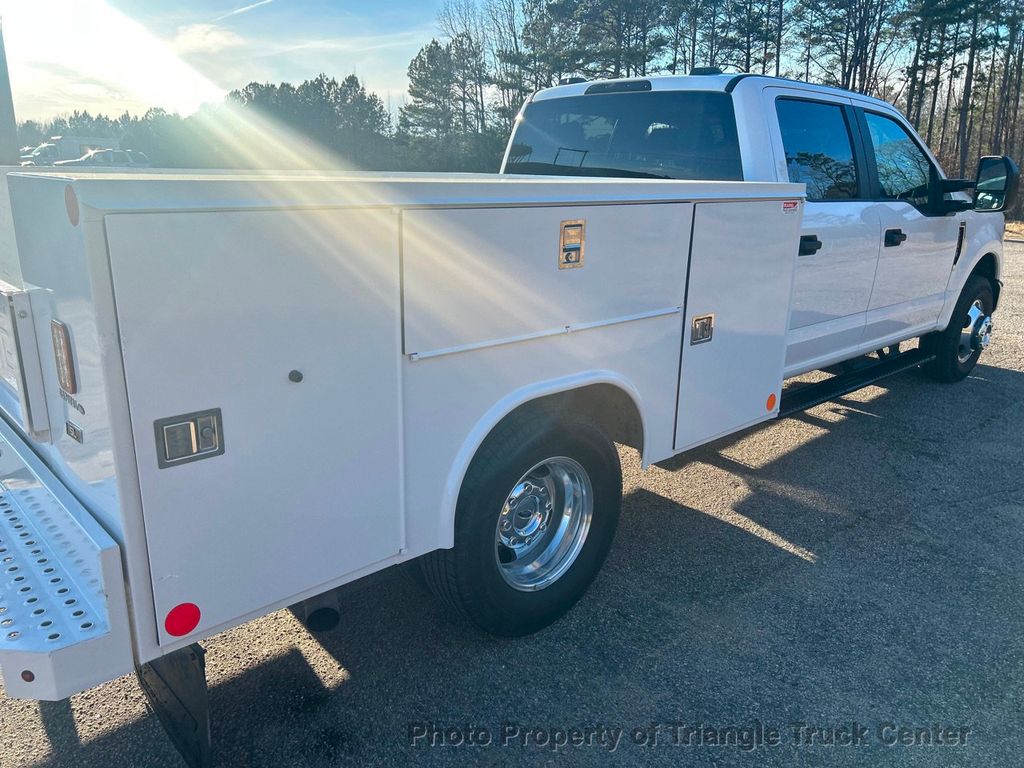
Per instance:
x=725, y=83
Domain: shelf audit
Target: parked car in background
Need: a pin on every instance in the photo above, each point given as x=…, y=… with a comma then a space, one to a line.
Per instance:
x=108, y=158
x=60, y=148
x=138, y=159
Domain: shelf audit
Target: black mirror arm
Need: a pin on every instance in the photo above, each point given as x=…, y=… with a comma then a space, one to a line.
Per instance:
x=957, y=185
x=937, y=189
x=946, y=207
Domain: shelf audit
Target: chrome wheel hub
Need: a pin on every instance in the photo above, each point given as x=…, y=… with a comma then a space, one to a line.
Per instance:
x=976, y=334
x=543, y=524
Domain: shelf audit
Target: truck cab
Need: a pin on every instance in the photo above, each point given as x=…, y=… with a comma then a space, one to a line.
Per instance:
x=888, y=243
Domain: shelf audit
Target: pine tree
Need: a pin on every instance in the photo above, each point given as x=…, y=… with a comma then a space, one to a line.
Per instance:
x=431, y=111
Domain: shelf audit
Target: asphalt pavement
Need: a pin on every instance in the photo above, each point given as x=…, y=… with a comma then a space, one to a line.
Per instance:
x=839, y=588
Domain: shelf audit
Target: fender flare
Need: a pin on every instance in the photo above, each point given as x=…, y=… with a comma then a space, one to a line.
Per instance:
x=993, y=247
x=513, y=400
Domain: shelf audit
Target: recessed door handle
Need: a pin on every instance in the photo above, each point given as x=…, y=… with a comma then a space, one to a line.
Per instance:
x=809, y=245
x=894, y=237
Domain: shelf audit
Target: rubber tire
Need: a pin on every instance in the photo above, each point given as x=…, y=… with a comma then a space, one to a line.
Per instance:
x=946, y=344
x=467, y=578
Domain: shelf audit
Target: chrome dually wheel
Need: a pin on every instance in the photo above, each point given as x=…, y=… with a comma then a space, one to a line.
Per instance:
x=544, y=523
x=976, y=334
x=536, y=516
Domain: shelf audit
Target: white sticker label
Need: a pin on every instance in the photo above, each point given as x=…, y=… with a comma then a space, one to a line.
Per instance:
x=790, y=206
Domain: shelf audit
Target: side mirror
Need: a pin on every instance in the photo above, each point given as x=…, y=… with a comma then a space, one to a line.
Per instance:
x=996, y=184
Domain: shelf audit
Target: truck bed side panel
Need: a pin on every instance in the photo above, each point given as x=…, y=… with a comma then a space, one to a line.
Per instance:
x=494, y=322
x=474, y=278
x=225, y=310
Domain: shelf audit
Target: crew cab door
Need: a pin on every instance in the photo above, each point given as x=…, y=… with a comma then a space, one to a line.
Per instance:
x=918, y=248
x=816, y=142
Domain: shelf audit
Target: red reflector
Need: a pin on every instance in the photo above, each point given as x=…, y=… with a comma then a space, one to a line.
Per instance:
x=71, y=203
x=770, y=405
x=182, y=619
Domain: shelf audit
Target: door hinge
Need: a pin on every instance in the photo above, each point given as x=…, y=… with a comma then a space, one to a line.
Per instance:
x=21, y=362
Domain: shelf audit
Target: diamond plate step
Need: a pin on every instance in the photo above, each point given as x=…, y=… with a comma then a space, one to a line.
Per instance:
x=63, y=613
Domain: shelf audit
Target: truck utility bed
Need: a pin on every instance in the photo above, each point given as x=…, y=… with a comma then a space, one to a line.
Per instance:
x=243, y=390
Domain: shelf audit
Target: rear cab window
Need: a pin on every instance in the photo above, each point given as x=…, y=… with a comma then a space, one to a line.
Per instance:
x=652, y=134
x=819, y=148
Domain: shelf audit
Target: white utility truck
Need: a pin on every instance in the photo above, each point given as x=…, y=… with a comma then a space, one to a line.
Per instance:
x=229, y=393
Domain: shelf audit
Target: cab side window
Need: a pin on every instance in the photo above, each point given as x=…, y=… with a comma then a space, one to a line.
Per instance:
x=903, y=168
x=819, y=148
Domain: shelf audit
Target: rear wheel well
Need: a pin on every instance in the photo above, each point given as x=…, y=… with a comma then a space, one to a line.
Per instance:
x=606, y=405
x=987, y=267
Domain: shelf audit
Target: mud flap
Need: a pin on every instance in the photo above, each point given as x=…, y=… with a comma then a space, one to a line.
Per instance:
x=175, y=685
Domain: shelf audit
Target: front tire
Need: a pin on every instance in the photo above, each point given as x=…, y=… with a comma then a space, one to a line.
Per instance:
x=535, y=519
x=958, y=347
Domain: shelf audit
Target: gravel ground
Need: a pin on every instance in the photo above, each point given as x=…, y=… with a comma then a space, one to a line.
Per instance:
x=858, y=564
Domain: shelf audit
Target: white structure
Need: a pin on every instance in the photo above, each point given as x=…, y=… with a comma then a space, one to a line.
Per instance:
x=223, y=394
x=418, y=313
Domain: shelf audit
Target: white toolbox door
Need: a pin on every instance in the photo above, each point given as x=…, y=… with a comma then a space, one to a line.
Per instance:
x=216, y=309
x=740, y=283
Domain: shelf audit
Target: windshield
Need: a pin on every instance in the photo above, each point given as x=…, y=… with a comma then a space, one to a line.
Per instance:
x=655, y=134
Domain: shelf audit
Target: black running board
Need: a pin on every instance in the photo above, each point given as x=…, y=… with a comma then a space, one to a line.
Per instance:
x=803, y=397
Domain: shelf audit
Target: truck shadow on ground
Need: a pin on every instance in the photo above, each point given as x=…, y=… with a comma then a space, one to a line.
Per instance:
x=866, y=567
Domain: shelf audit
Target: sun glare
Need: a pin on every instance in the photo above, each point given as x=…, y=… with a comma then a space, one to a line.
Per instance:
x=113, y=57
x=105, y=49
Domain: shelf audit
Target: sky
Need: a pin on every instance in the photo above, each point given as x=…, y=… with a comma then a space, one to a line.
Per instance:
x=110, y=56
